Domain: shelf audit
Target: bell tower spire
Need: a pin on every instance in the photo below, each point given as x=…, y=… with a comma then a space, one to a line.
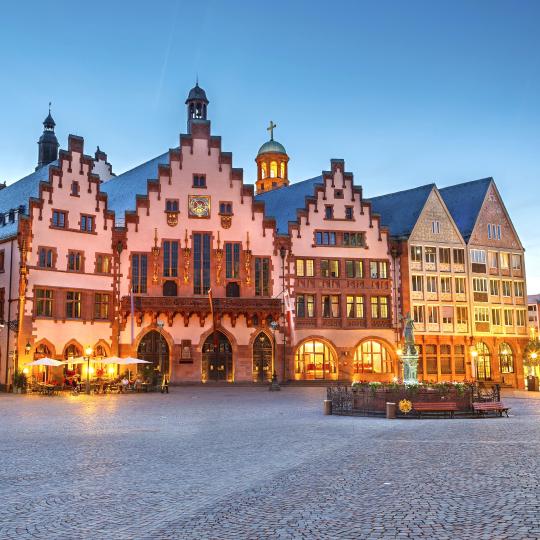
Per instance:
x=272, y=164
x=196, y=103
x=48, y=143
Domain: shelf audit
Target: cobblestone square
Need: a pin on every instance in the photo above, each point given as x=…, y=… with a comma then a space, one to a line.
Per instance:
x=233, y=462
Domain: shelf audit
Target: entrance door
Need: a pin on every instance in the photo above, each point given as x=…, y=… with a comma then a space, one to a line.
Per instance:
x=154, y=348
x=319, y=365
x=217, y=358
x=262, y=358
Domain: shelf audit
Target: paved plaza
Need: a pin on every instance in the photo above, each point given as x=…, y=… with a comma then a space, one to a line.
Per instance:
x=234, y=463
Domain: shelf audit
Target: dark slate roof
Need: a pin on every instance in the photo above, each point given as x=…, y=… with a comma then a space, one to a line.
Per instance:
x=464, y=202
x=400, y=211
x=18, y=193
x=122, y=190
x=197, y=93
x=283, y=203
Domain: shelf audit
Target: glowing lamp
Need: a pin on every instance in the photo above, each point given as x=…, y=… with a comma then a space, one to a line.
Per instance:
x=399, y=351
x=91, y=369
x=110, y=370
x=534, y=356
x=25, y=371
x=88, y=351
x=474, y=353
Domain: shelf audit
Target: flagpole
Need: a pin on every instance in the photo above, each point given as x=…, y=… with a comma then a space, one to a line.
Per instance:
x=132, y=302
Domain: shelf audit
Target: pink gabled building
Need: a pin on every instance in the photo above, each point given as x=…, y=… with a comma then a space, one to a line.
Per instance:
x=307, y=279
x=300, y=275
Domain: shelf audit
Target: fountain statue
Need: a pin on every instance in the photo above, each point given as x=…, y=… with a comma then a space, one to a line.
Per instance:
x=410, y=352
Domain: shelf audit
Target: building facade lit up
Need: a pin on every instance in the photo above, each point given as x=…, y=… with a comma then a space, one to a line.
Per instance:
x=181, y=262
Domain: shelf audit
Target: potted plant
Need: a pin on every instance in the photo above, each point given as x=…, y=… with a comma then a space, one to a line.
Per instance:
x=19, y=382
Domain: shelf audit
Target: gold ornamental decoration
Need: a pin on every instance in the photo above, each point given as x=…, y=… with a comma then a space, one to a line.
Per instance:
x=172, y=218
x=187, y=262
x=405, y=406
x=199, y=206
x=155, y=253
x=226, y=222
x=247, y=266
x=219, y=265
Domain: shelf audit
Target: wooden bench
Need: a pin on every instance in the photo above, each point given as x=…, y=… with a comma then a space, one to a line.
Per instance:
x=490, y=406
x=438, y=406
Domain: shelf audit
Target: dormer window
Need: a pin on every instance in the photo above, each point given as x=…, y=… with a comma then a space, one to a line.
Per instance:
x=328, y=212
x=75, y=189
x=199, y=181
x=12, y=216
x=2, y=219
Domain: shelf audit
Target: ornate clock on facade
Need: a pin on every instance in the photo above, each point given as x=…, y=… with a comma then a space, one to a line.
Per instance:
x=199, y=206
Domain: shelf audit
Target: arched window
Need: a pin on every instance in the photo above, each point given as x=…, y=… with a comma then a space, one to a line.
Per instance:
x=315, y=360
x=483, y=362
x=282, y=170
x=43, y=351
x=506, y=358
x=72, y=352
x=372, y=357
x=273, y=169
x=264, y=170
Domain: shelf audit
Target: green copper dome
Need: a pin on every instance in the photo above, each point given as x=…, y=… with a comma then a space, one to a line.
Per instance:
x=272, y=146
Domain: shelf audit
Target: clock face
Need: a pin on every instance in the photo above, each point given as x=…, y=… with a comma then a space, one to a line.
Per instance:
x=199, y=206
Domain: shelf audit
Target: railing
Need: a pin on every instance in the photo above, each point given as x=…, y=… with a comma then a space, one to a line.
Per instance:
x=371, y=400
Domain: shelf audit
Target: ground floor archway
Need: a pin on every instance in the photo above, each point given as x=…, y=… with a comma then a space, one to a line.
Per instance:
x=154, y=348
x=262, y=358
x=315, y=360
x=217, y=358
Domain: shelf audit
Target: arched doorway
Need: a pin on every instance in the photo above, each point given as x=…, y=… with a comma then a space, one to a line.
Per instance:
x=217, y=358
x=262, y=358
x=154, y=348
x=483, y=362
x=315, y=360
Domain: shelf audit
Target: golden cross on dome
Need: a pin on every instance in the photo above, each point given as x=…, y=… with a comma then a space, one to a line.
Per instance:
x=270, y=128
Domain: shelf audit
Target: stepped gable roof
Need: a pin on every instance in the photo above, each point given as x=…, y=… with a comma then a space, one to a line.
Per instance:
x=282, y=203
x=122, y=190
x=18, y=193
x=400, y=211
x=464, y=202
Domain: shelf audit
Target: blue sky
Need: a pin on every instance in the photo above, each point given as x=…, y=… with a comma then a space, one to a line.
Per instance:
x=406, y=92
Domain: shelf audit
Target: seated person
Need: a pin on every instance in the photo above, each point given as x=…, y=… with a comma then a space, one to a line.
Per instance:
x=124, y=383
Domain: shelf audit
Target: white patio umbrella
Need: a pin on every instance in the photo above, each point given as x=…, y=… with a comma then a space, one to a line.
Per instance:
x=47, y=362
x=130, y=360
x=75, y=361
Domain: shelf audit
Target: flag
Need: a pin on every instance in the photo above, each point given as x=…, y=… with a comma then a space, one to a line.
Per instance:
x=289, y=314
x=132, y=305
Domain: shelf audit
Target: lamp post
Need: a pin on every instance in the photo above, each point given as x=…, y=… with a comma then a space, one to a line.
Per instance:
x=160, y=325
x=282, y=253
x=88, y=353
x=275, y=385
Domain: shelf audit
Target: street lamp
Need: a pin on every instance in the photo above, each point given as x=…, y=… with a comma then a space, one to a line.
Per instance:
x=160, y=325
x=275, y=385
x=282, y=253
x=27, y=347
x=88, y=352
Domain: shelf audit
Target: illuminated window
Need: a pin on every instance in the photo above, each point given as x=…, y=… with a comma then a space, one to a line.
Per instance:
x=506, y=358
x=483, y=362
x=315, y=360
x=282, y=169
x=273, y=169
x=264, y=171
x=416, y=254
x=372, y=357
